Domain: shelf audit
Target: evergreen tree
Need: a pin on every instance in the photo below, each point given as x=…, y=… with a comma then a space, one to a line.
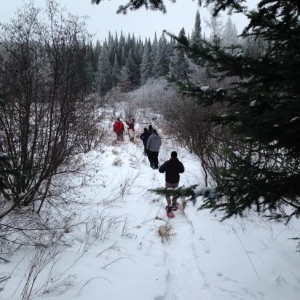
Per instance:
x=146, y=65
x=103, y=78
x=153, y=53
x=124, y=78
x=179, y=66
x=254, y=46
x=96, y=54
x=229, y=35
x=161, y=63
x=134, y=73
x=123, y=56
x=196, y=38
x=115, y=71
x=263, y=114
x=216, y=26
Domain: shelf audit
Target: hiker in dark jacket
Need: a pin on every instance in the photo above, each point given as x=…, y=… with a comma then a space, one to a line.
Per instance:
x=144, y=137
x=172, y=168
x=153, y=144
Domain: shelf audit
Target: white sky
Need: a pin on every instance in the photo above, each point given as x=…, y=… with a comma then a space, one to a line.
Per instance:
x=103, y=18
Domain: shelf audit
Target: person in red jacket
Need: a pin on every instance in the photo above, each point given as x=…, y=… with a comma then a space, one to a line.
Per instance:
x=119, y=129
x=172, y=168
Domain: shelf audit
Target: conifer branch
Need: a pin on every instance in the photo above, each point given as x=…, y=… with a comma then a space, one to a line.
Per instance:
x=192, y=191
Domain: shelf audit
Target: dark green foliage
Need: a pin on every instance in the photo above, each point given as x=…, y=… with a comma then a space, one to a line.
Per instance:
x=179, y=192
x=179, y=65
x=263, y=113
x=134, y=5
x=127, y=62
x=160, y=6
x=192, y=191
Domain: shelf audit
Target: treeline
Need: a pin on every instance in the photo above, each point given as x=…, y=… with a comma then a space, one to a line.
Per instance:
x=128, y=62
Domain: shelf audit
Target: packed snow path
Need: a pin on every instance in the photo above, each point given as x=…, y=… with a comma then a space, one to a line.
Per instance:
x=116, y=251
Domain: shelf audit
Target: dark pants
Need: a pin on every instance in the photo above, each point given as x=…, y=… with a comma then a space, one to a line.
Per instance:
x=153, y=159
x=145, y=149
x=172, y=201
x=120, y=136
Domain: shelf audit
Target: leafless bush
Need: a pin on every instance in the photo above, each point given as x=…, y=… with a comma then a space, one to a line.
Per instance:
x=165, y=232
x=189, y=124
x=117, y=162
x=47, y=119
x=43, y=256
x=48, y=245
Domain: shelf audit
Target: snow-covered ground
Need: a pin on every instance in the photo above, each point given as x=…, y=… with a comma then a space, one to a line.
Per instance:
x=120, y=255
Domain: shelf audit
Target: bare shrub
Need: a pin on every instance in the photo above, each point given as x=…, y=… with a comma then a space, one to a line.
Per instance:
x=165, y=232
x=47, y=119
x=117, y=162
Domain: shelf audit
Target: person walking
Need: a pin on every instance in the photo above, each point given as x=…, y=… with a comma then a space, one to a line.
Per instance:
x=172, y=168
x=144, y=137
x=130, y=125
x=119, y=129
x=150, y=129
x=153, y=145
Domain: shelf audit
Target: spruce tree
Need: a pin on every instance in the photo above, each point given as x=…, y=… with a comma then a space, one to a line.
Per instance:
x=179, y=65
x=263, y=115
x=162, y=59
x=146, y=65
x=196, y=38
x=229, y=34
x=115, y=71
x=134, y=73
x=103, y=78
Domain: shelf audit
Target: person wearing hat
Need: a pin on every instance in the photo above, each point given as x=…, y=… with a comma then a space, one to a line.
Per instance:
x=119, y=129
x=144, y=137
x=152, y=146
x=172, y=167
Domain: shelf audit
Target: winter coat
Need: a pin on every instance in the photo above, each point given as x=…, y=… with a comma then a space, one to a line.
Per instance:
x=130, y=125
x=144, y=137
x=118, y=127
x=172, y=168
x=153, y=142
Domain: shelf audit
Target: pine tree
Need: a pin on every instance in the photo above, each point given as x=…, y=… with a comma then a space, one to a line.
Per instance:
x=263, y=115
x=103, y=78
x=229, y=35
x=124, y=79
x=115, y=71
x=146, y=65
x=196, y=38
x=133, y=68
x=153, y=54
x=179, y=65
x=162, y=60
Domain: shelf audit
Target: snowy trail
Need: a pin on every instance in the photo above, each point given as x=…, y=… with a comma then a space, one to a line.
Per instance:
x=181, y=273
x=184, y=276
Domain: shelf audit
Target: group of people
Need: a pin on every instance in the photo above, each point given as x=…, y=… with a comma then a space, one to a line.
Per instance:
x=172, y=167
x=119, y=129
x=152, y=142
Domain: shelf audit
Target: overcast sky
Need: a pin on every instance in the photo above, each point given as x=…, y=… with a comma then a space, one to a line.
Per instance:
x=103, y=18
